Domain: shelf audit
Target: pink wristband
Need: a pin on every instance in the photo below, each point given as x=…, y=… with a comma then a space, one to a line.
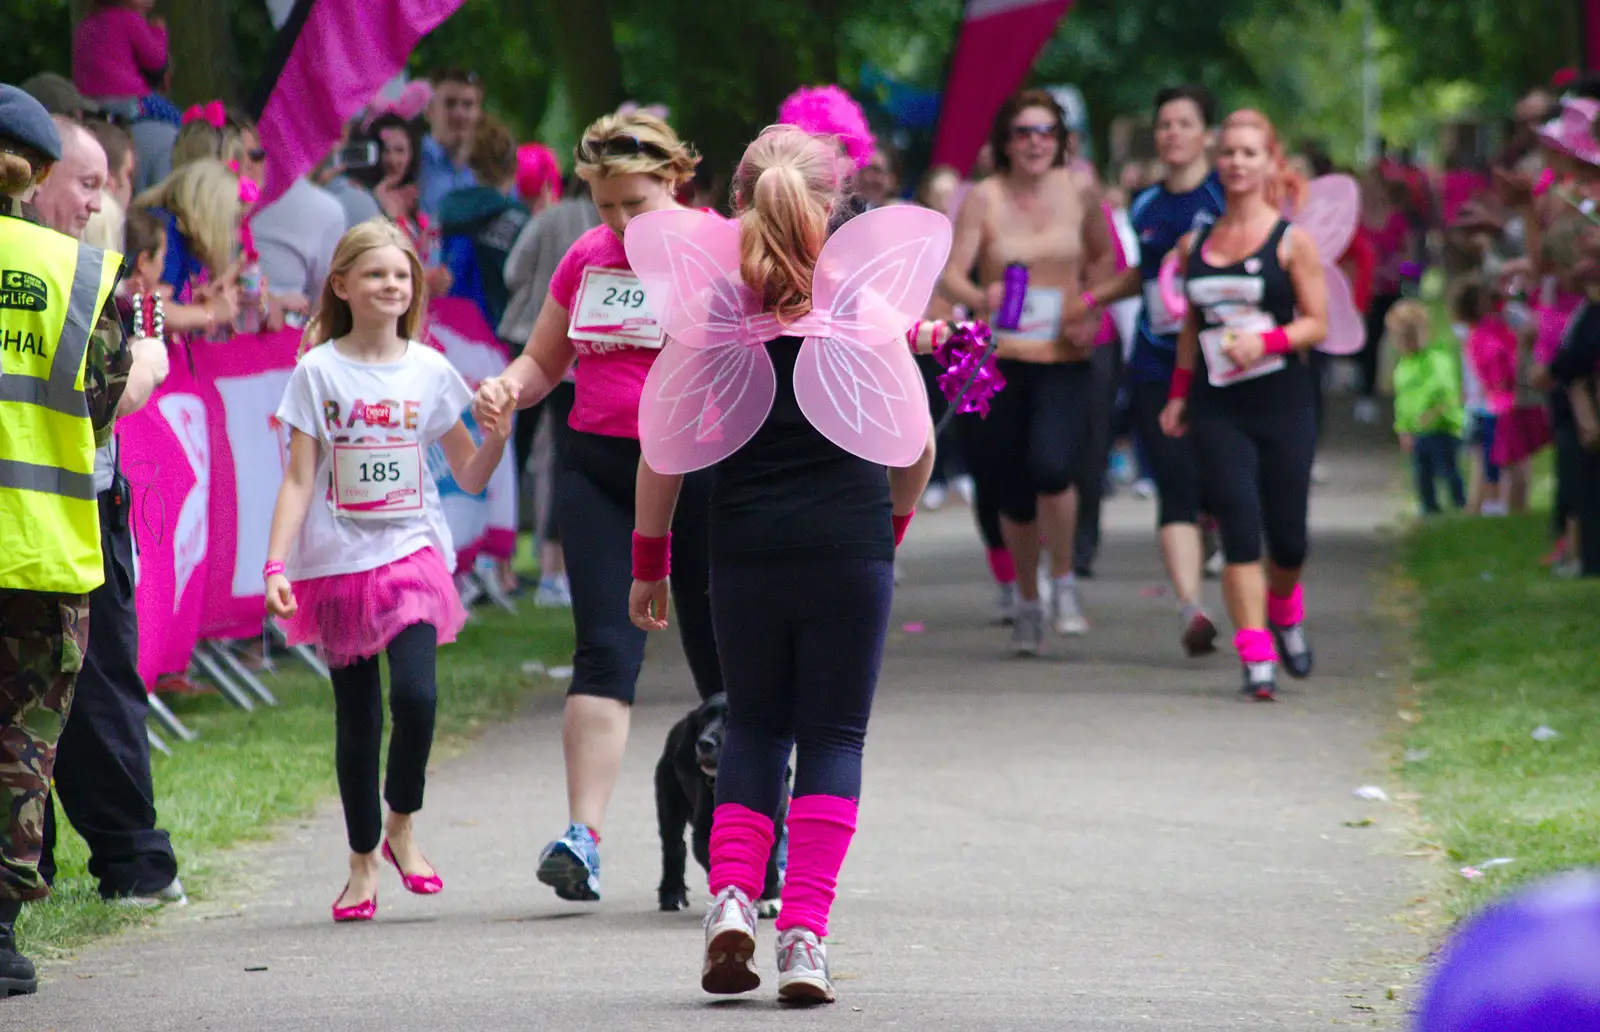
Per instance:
x=914, y=335
x=1181, y=378
x=652, y=557
x=1276, y=342
x=900, y=525
x=1089, y=300
x=272, y=568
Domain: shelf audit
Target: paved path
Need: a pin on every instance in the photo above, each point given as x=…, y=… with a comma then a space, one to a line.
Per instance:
x=1101, y=839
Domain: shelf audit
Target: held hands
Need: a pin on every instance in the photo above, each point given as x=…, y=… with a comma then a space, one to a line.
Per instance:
x=1174, y=422
x=280, y=596
x=494, y=404
x=648, y=603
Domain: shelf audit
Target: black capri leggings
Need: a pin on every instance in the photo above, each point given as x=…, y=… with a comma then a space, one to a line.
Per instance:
x=1172, y=460
x=594, y=510
x=985, y=479
x=559, y=405
x=1255, y=470
x=1035, y=434
x=358, y=734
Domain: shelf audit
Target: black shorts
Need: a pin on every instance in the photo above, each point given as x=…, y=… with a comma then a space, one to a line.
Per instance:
x=1035, y=438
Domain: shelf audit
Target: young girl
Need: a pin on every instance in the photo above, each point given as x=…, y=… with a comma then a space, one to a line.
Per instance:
x=1427, y=405
x=359, y=533
x=1242, y=385
x=1491, y=350
x=803, y=535
x=119, y=51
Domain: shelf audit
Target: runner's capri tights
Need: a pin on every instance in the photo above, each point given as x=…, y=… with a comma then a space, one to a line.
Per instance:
x=1255, y=472
x=1032, y=442
x=594, y=510
x=1172, y=461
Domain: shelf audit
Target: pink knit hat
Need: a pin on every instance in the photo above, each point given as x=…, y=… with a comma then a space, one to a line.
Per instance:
x=829, y=111
x=1572, y=131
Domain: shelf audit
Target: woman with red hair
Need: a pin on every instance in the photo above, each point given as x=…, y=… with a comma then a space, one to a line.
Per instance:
x=1257, y=306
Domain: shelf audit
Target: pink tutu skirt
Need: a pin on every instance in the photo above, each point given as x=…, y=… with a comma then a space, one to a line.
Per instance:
x=1519, y=433
x=354, y=615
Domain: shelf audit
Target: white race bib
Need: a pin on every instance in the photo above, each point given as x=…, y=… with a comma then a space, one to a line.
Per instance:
x=1162, y=322
x=1220, y=371
x=611, y=308
x=1041, y=314
x=377, y=481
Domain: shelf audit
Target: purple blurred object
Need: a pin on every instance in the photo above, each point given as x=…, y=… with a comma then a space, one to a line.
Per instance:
x=970, y=378
x=1528, y=963
x=1410, y=270
x=1010, y=315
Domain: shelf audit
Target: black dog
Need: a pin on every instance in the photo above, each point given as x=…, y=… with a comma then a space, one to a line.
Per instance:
x=686, y=782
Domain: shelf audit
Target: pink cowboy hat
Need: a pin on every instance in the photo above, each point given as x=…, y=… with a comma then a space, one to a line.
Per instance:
x=1572, y=131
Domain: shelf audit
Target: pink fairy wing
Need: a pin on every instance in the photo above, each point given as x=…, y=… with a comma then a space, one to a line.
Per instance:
x=1347, y=331
x=855, y=379
x=688, y=264
x=1167, y=282
x=701, y=405
x=1330, y=214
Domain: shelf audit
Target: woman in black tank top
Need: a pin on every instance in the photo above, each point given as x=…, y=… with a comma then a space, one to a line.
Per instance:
x=1243, y=389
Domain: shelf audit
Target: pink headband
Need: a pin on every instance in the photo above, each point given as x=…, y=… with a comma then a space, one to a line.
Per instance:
x=829, y=111
x=412, y=101
x=213, y=114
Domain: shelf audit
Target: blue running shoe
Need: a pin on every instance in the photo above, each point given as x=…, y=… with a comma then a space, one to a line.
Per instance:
x=571, y=864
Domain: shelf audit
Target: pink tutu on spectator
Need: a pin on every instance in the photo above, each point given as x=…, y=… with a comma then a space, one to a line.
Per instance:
x=1519, y=433
x=354, y=615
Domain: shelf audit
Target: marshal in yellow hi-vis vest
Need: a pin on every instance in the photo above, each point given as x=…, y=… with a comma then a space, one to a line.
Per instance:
x=52, y=289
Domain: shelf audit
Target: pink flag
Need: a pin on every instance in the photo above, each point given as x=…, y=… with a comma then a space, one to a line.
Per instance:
x=343, y=53
x=998, y=44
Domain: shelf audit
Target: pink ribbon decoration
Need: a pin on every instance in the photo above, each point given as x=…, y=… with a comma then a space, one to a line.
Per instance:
x=213, y=114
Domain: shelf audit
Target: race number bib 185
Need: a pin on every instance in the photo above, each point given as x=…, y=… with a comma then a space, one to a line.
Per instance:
x=377, y=481
x=1041, y=314
x=1220, y=370
x=611, y=308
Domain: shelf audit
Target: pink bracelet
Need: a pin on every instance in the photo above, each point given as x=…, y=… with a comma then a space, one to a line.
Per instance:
x=900, y=524
x=272, y=568
x=1276, y=342
x=913, y=334
x=1089, y=300
x=652, y=557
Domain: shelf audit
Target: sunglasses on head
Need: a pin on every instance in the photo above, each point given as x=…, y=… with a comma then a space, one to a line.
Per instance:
x=620, y=147
x=1023, y=132
x=257, y=155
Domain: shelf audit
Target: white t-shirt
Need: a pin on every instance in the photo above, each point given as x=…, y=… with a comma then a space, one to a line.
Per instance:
x=407, y=405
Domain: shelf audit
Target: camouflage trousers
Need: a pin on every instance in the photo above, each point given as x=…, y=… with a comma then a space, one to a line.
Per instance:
x=43, y=638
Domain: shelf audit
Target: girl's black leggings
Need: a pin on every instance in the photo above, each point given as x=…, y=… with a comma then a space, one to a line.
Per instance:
x=358, y=738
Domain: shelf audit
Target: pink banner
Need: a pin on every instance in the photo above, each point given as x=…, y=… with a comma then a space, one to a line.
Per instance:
x=205, y=458
x=345, y=52
x=999, y=41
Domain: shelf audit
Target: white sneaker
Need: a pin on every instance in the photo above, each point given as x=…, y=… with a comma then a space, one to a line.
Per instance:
x=172, y=895
x=730, y=966
x=1027, y=630
x=1005, y=603
x=1215, y=564
x=803, y=968
x=1047, y=587
x=553, y=593
x=1068, y=608
x=934, y=496
x=965, y=488
x=1144, y=488
x=1366, y=410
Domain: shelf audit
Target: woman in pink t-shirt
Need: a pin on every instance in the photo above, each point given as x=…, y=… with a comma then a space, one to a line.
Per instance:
x=597, y=315
x=119, y=51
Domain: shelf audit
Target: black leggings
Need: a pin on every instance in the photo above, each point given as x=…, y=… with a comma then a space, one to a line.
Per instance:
x=594, y=509
x=1255, y=470
x=811, y=635
x=985, y=479
x=1367, y=358
x=559, y=405
x=1171, y=459
x=1035, y=435
x=358, y=720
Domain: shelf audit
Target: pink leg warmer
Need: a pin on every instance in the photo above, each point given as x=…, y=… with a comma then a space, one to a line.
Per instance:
x=1255, y=645
x=820, y=829
x=1286, y=612
x=741, y=841
x=1002, y=566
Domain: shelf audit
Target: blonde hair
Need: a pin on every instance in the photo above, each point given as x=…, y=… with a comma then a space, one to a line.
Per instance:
x=204, y=196
x=104, y=229
x=783, y=189
x=334, y=318
x=18, y=173
x=1407, y=324
x=1283, y=183
x=655, y=150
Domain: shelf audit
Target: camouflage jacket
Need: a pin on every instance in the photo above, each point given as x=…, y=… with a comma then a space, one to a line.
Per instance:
x=109, y=360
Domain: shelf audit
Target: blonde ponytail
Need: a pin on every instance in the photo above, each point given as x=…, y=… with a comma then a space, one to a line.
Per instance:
x=783, y=188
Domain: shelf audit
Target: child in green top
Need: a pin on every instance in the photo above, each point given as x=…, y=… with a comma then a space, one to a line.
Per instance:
x=1427, y=405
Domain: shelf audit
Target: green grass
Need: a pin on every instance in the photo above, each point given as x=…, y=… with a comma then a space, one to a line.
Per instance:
x=248, y=772
x=1503, y=648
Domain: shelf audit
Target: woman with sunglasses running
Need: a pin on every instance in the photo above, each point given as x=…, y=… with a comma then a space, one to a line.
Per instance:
x=1243, y=389
x=596, y=314
x=1031, y=212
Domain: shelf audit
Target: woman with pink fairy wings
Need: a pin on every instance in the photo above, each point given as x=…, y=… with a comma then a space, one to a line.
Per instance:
x=786, y=369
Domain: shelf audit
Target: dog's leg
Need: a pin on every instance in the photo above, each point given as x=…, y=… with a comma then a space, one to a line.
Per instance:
x=672, y=817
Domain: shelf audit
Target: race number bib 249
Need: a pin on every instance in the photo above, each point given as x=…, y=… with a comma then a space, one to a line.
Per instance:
x=611, y=308
x=377, y=481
